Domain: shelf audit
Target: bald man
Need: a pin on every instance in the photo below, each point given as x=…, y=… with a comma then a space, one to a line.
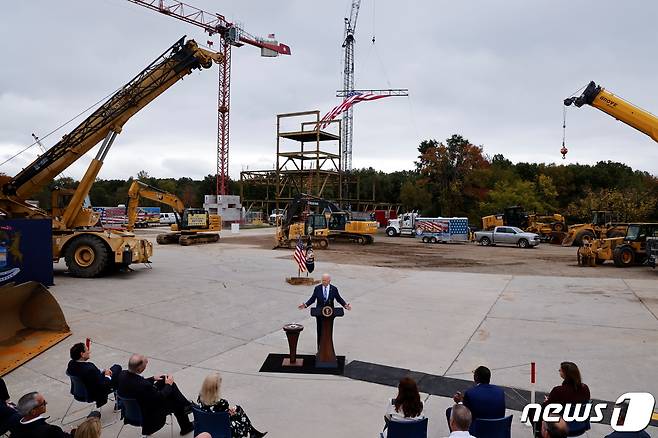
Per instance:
x=324, y=295
x=157, y=396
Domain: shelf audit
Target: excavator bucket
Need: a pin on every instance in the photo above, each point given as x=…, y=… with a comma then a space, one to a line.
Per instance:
x=31, y=321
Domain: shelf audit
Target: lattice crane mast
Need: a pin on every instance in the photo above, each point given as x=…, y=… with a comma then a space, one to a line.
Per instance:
x=230, y=35
x=348, y=83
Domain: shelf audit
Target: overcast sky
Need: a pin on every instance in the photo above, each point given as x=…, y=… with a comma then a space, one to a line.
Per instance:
x=495, y=72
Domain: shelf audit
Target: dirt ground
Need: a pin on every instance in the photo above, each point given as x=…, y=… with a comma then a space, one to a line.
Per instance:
x=410, y=253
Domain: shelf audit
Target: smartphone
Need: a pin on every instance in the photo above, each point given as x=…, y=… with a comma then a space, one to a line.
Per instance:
x=88, y=343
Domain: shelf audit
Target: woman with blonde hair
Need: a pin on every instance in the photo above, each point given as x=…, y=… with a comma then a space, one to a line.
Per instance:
x=210, y=400
x=90, y=428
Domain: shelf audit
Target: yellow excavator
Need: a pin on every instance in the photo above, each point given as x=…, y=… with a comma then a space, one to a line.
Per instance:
x=193, y=225
x=89, y=251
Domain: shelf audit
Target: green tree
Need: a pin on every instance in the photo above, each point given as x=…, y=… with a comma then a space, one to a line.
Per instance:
x=414, y=197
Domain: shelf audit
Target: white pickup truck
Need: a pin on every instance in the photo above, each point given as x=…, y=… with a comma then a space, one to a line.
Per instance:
x=507, y=236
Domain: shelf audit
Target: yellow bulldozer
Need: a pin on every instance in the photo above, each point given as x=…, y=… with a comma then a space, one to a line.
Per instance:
x=625, y=251
x=604, y=225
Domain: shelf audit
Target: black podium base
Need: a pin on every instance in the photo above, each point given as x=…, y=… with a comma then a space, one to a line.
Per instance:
x=274, y=361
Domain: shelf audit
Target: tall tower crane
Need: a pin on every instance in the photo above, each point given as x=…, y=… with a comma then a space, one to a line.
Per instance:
x=230, y=35
x=348, y=84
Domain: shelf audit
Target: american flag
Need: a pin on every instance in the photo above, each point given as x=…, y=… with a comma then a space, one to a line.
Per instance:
x=300, y=255
x=353, y=99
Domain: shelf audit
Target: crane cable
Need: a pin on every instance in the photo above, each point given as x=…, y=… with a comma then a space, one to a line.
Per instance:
x=564, y=149
x=59, y=127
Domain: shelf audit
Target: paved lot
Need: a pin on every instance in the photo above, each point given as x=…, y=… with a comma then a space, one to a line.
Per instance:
x=221, y=307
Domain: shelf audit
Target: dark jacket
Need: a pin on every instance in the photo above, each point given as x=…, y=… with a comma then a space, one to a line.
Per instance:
x=567, y=394
x=151, y=400
x=485, y=401
x=318, y=297
x=9, y=417
x=98, y=386
x=38, y=429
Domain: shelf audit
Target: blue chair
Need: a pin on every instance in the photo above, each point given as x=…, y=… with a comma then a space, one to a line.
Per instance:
x=216, y=424
x=406, y=429
x=132, y=414
x=80, y=394
x=492, y=428
x=577, y=428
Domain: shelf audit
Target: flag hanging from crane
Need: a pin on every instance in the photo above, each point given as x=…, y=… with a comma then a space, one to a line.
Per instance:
x=300, y=255
x=349, y=101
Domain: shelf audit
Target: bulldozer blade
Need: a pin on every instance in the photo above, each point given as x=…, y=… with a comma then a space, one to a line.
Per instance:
x=31, y=321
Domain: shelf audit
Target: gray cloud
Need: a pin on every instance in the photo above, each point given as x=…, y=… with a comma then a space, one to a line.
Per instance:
x=493, y=71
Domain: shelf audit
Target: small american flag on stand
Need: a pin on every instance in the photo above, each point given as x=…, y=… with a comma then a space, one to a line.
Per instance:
x=300, y=255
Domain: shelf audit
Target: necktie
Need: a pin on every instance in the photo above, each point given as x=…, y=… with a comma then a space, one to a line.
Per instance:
x=326, y=293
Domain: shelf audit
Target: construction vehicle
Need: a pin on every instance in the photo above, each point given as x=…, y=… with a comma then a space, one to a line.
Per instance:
x=633, y=116
x=604, y=224
x=31, y=321
x=193, y=225
x=88, y=250
x=550, y=228
x=628, y=250
x=311, y=217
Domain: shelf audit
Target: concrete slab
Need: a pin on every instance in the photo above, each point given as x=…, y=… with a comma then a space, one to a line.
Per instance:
x=220, y=308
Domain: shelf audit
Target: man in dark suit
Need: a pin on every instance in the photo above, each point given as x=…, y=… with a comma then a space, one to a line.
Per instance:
x=157, y=396
x=484, y=400
x=9, y=415
x=99, y=383
x=324, y=295
x=32, y=408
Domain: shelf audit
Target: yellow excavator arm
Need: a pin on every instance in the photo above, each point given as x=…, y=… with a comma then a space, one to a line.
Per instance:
x=139, y=189
x=624, y=111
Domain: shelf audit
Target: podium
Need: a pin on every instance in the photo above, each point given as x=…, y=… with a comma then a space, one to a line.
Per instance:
x=326, y=356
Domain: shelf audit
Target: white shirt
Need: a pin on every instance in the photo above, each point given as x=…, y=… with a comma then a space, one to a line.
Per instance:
x=34, y=419
x=460, y=434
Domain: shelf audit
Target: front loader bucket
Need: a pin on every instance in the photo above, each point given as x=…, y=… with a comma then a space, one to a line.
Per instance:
x=569, y=238
x=31, y=321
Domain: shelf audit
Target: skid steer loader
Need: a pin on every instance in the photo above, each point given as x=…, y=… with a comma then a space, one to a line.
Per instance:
x=31, y=321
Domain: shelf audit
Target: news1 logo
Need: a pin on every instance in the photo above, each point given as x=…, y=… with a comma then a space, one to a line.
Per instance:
x=638, y=407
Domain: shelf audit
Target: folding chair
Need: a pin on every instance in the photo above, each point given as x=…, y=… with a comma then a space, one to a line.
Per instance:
x=216, y=424
x=132, y=415
x=81, y=394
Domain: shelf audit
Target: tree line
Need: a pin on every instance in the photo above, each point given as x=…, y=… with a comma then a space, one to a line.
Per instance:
x=451, y=178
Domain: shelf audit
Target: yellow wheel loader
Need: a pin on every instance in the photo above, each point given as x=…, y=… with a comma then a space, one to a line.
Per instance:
x=623, y=251
x=603, y=225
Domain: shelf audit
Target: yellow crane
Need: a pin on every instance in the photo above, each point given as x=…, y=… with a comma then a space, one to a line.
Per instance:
x=90, y=251
x=32, y=319
x=193, y=225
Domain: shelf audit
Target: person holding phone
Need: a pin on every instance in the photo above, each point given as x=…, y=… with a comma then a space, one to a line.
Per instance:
x=99, y=383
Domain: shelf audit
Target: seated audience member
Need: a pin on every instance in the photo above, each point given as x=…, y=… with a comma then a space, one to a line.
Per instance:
x=484, y=400
x=99, y=383
x=157, y=396
x=620, y=421
x=203, y=435
x=406, y=406
x=460, y=422
x=210, y=400
x=9, y=415
x=555, y=430
x=90, y=428
x=572, y=389
x=32, y=408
